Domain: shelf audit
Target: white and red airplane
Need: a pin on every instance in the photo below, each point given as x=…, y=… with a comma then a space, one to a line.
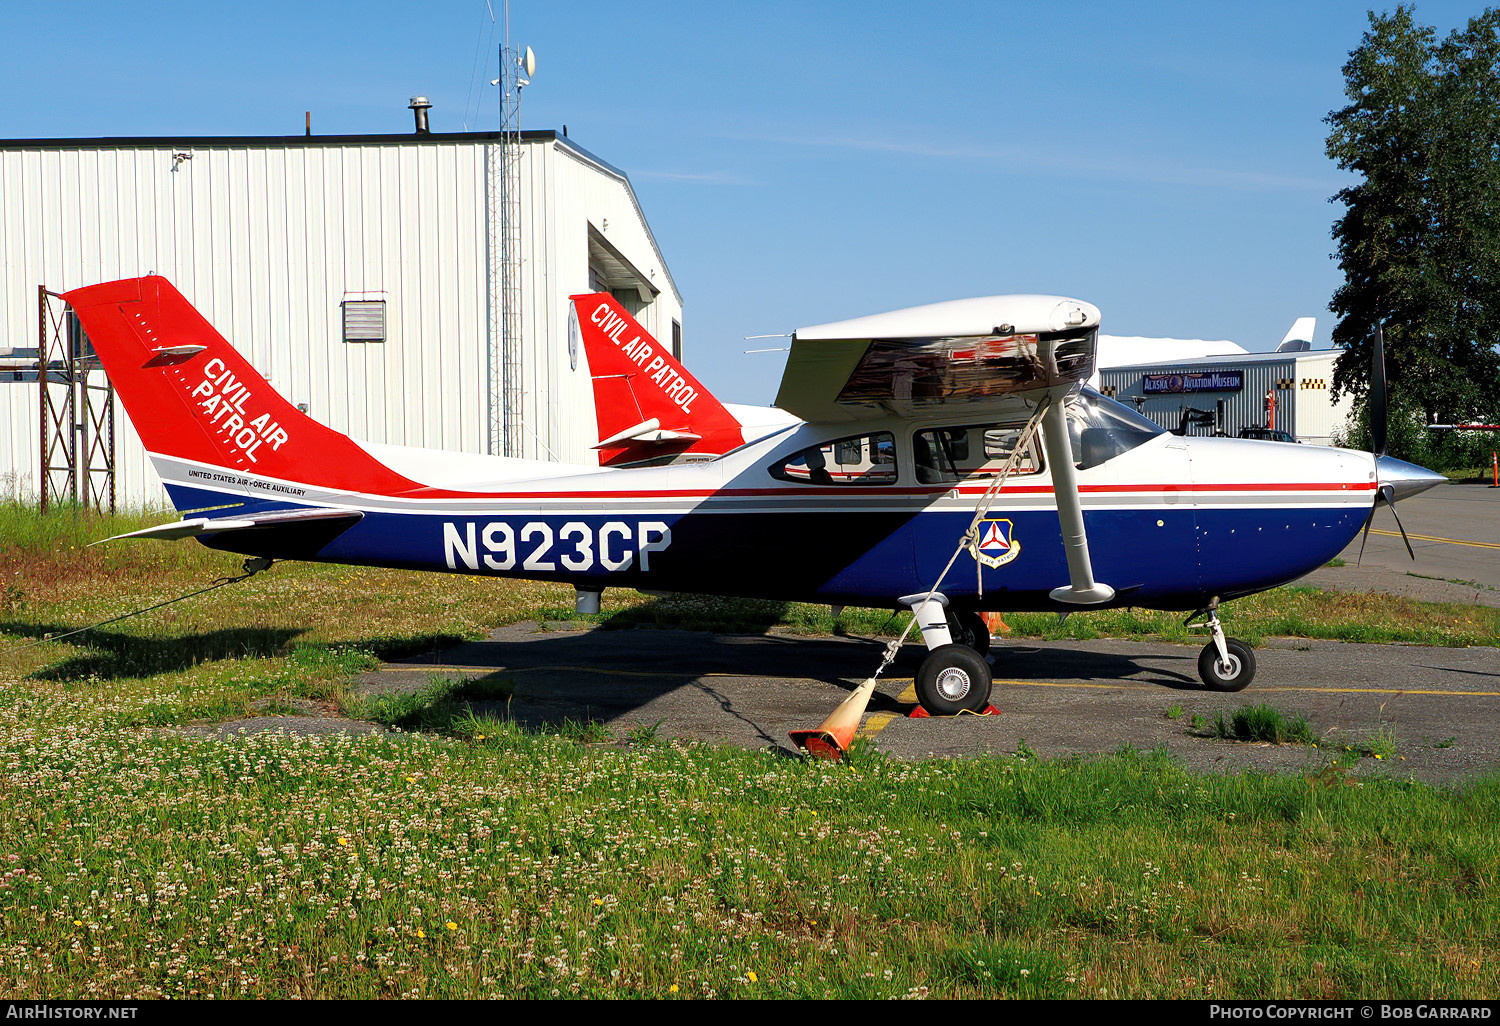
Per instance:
x=886, y=488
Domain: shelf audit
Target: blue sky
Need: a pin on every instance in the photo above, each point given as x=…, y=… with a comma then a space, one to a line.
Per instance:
x=806, y=162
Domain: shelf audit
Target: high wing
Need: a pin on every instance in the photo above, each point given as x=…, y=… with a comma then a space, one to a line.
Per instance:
x=996, y=356
x=978, y=353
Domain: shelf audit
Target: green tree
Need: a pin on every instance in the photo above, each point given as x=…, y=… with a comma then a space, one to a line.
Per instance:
x=1419, y=241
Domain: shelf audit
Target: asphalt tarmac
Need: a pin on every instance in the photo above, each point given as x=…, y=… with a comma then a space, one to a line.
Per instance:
x=1454, y=531
x=1067, y=698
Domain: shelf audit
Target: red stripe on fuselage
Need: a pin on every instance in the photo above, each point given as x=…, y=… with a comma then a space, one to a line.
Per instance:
x=854, y=490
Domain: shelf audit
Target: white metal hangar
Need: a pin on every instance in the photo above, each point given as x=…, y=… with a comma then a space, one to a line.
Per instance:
x=1255, y=392
x=365, y=276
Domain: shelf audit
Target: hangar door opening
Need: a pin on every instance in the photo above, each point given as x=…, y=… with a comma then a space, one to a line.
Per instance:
x=611, y=271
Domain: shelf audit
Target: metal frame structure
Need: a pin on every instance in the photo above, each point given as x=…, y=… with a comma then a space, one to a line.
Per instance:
x=77, y=410
x=504, y=213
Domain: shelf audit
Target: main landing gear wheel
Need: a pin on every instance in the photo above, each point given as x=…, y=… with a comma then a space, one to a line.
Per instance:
x=953, y=679
x=969, y=629
x=1234, y=677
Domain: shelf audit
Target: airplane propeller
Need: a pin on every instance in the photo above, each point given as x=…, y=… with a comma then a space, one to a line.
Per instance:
x=1379, y=437
x=1379, y=423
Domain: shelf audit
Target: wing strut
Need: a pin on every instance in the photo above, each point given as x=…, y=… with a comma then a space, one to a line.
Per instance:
x=1084, y=590
x=833, y=738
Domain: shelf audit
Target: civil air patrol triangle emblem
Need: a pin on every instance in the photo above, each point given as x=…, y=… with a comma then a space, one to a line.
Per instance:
x=997, y=544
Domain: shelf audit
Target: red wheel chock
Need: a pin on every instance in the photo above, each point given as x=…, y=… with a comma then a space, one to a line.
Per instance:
x=918, y=713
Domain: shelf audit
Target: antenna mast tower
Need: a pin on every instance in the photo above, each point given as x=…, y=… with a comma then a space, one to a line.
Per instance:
x=504, y=215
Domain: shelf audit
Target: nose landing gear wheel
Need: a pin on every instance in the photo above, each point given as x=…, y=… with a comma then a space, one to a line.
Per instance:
x=953, y=679
x=1234, y=677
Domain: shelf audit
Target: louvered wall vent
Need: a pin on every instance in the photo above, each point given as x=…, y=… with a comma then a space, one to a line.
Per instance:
x=364, y=320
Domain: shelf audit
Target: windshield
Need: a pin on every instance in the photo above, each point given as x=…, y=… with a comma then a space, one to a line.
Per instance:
x=1100, y=429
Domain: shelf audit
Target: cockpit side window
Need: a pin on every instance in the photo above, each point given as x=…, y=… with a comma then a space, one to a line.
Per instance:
x=1100, y=429
x=859, y=460
x=946, y=454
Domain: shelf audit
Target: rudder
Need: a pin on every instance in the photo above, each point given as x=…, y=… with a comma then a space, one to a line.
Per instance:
x=193, y=399
x=644, y=399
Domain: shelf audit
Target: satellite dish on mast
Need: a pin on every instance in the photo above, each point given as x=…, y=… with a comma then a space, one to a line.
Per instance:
x=528, y=63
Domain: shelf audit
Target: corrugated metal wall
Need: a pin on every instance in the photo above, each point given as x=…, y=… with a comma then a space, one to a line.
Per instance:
x=267, y=238
x=1306, y=412
x=1319, y=418
x=1245, y=408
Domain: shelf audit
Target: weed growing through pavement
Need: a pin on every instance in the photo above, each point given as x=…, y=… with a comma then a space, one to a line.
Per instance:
x=645, y=734
x=1382, y=744
x=1262, y=723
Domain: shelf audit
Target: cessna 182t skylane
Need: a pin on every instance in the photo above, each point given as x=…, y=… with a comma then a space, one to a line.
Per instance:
x=946, y=459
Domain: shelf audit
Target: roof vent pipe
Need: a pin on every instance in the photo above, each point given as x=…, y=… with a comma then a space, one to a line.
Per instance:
x=419, y=106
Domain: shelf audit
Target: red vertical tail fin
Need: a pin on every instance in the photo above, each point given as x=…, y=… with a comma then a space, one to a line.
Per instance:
x=648, y=406
x=195, y=400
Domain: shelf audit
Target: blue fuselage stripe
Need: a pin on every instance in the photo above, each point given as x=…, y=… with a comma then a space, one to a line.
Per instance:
x=1155, y=557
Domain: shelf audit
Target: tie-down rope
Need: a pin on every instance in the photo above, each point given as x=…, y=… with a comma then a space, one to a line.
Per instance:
x=252, y=567
x=970, y=538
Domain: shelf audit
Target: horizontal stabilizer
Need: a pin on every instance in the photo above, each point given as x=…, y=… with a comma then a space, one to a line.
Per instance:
x=631, y=433
x=647, y=431
x=210, y=525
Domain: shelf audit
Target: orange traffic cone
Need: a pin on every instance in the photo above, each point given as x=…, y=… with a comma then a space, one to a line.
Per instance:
x=833, y=738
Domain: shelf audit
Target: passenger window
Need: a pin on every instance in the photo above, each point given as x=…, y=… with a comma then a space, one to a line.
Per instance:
x=863, y=460
x=943, y=455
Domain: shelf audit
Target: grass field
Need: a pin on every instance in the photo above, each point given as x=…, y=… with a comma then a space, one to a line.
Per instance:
x=462, y=857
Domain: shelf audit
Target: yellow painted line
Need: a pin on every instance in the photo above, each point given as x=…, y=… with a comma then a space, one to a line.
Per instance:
x=445, y=666
x=1126, y=686
x=1121, y=685
x=616, y=673
x=569, y=669
x=1435, y=538
x=876, y=723
x=1384, y=691
x=909, y=696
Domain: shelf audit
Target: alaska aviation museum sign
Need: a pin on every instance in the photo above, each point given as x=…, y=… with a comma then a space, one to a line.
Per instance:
x=1212, y=381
